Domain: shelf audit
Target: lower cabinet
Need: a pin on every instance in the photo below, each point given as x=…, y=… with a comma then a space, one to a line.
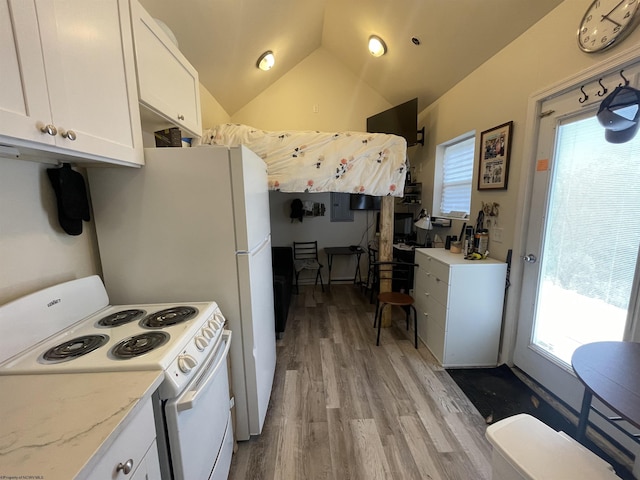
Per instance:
x=459, y=304
x=134, y=454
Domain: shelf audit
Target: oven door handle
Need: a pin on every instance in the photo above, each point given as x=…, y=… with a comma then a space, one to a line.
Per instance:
x=189, y=398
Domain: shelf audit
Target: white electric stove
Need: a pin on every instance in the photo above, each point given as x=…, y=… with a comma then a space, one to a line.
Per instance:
x=71, y=328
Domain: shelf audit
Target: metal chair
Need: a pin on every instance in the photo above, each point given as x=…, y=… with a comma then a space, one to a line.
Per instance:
x=401, y=276
x=305, y=257
x=373, y=257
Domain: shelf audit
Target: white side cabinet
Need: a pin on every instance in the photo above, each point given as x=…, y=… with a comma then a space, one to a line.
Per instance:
x=68, y=83
x=459, y=304
x=168, y=85
x=133, y=454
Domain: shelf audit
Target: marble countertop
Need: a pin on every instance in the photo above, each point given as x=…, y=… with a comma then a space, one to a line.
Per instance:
x=57, y=426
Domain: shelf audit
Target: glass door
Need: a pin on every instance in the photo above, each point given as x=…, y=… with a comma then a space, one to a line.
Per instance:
x=582, y=243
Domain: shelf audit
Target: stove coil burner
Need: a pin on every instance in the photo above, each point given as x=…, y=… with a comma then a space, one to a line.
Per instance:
x=168, y=317
x=74, y=348
x=139, y=345
x=120, y=318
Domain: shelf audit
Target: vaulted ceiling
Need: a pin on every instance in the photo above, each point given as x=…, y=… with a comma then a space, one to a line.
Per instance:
x=224, y=38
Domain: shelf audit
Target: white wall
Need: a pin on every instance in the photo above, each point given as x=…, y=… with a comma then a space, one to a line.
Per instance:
x=35, y=252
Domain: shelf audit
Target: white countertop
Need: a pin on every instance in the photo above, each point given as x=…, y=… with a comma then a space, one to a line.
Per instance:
x=57, y=426
x=454, y=258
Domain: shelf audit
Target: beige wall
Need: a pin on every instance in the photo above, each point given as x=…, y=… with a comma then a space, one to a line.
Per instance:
x=212, y=112
x=496, y=93
x=34, y=251
x=343, y=101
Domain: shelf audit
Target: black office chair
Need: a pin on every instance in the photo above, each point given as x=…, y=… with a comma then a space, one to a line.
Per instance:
x=305, y=257
x=401, y=276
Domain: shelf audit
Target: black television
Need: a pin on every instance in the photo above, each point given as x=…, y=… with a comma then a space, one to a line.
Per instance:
x=401, y=120
x=364, y=202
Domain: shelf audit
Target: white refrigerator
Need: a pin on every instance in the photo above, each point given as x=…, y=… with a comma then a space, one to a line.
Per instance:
x=193, y=225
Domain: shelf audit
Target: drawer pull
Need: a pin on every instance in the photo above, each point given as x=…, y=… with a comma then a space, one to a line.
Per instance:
x=126, y=467
x=180, y=117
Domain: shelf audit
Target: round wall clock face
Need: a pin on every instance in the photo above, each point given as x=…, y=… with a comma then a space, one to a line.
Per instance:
x=606, y=23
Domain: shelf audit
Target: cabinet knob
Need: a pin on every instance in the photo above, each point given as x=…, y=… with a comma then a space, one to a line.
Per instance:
x=126, y=467
x=49, y=129
x=69, y=135
x=180, y=117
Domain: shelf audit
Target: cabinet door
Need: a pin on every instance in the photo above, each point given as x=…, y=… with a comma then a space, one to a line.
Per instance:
x=88, y=58
x=134, y=445
x=24, y=101
x=168, y=84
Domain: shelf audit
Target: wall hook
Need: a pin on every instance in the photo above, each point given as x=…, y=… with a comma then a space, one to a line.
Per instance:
x=626, y=82
x=586, y=97
x=603, y=92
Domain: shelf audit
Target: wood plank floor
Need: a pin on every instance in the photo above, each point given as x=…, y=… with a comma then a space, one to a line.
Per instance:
x=342, y=408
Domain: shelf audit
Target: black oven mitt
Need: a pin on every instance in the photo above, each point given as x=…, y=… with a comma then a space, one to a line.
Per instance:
x=71, y=195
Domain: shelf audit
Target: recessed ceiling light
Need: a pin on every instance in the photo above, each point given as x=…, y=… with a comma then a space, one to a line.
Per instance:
x=377, y=47
x=266, y=61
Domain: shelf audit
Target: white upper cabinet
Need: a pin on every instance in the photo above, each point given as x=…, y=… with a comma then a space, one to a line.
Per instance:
x=168, y=85
x=68, y=85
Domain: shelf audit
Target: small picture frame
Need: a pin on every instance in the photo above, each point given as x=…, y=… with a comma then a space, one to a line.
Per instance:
x=495, y=151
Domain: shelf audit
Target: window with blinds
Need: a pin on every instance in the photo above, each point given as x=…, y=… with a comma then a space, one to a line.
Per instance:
x=457, y=174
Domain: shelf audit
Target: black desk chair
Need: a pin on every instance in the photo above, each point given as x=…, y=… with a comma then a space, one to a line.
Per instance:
x=305, y=257
x=401, y=276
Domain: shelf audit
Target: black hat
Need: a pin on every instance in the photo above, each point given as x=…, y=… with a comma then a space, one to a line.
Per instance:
x=619, y=114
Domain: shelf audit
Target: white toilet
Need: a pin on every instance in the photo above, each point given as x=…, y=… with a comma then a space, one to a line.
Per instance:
x=524, y=448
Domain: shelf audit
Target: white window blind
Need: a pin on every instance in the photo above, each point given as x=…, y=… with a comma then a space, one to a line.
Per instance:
x=457, y=173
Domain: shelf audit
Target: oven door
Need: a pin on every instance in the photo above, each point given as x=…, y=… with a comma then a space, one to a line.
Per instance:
x=197, y=420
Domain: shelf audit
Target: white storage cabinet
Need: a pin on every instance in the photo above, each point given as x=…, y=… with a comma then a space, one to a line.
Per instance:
x=459, y=304
x=168, y=85
x=133, y=454
x=68, y=83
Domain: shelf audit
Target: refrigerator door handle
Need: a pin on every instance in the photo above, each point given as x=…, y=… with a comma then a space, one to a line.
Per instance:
x=258, y=248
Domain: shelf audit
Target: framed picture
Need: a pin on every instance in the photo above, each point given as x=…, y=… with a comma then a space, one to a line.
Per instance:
x=495, y=150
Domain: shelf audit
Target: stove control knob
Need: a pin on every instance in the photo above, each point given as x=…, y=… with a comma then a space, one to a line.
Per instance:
x=186, y=363
x=201, y=342
x=208, y=333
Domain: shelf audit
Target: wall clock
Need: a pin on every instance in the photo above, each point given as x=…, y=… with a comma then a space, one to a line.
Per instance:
x=606, y=23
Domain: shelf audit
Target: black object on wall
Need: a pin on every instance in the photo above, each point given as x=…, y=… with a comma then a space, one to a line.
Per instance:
x=364, y=202
x=71, y=195
x=401, y=120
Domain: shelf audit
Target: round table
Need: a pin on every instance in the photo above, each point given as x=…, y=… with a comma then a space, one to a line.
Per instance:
x=610, y=371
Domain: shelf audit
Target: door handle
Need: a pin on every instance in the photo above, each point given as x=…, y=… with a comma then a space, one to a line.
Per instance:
x=531, y=258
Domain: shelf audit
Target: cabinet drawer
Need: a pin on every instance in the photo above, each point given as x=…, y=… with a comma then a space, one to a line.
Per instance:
x=431, y=266
x=438, y=290
x=437, y=268
x=131, y=444
x=436, y=341
x=437, y=314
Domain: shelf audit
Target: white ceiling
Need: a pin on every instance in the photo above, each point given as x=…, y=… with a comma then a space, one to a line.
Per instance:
x=224, y=38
